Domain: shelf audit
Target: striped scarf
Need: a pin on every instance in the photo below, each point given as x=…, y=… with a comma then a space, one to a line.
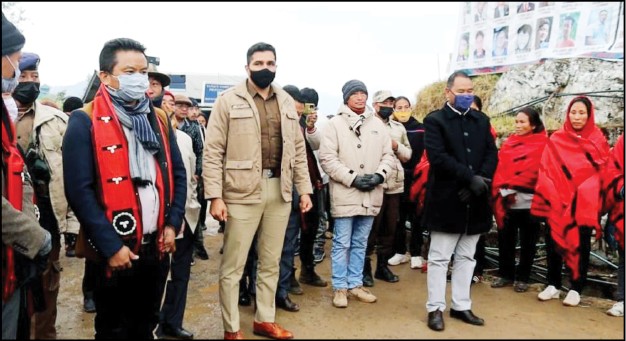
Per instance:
x=134, y=119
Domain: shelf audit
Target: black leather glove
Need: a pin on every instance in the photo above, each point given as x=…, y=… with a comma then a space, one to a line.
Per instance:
x=363, y=182
x=465, y=195
x=478, y=185
x=376, y=179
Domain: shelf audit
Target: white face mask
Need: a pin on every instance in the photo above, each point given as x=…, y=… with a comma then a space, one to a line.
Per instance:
x=9, y=102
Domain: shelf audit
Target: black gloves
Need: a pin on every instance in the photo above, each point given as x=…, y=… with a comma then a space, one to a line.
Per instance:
x=478, y=185
x=367, y=182
x=363, y=182
x=465, y=195
x=378, y=179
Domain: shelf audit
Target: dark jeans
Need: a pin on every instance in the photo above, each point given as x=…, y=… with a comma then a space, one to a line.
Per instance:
x=173, y=310
x=127, y=302
x=289, y=247
x=308, y=231
x=89, y=278
x=383, y=230
x=528, y=227
x=407, y=212
x=555, y=261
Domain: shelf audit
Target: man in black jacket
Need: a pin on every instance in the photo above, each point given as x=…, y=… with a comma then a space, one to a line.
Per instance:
x=463, y=158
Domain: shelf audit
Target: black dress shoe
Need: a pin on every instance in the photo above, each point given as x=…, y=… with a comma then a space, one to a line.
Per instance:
x=467, y=316
x=286, y=304
x=435, y=320
x=179, y=333
x=89, y=305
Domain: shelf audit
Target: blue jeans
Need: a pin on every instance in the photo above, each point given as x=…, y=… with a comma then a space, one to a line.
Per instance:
x=348, y=250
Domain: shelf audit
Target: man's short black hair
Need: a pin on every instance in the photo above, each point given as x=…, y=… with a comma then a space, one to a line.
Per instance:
x=108, y=54
x=71, y=104
x=453, y=76
x=259, y=47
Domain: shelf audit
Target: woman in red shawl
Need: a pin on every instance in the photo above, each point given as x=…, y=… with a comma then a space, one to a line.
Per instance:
x=512, y=191
x=613, y=204
x=569, y=179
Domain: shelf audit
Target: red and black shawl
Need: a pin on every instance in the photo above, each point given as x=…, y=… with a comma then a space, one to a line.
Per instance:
x=568, y=185
x=612, y=184
x=518, y=165
x=417, y=193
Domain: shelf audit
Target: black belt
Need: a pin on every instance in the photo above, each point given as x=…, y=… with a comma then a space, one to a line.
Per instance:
x=148, y=238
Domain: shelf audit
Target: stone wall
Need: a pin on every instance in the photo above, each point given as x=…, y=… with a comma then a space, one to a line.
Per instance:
x=523, y=84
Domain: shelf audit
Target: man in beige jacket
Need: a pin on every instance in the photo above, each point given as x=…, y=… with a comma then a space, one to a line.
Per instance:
x=384, y=229
x=254, y=154
x=355, y=152
x=40, y=129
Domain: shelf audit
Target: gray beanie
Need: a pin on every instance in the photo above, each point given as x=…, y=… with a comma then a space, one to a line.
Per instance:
x=351, y=87
x=12, y=39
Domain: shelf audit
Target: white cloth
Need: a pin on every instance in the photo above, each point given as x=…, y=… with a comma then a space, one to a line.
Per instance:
x=442, y=246
x=522, y=200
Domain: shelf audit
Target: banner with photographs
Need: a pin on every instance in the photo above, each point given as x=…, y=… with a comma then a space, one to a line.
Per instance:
x=495, y=35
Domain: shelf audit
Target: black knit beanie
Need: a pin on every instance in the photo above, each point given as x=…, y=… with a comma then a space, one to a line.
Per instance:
x=12, y=39
x=351, y=87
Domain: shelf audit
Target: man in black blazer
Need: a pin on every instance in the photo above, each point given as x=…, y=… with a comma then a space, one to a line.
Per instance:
x=463, y=158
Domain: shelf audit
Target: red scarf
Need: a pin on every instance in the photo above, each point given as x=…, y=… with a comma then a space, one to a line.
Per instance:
x=418, y=187
x=13, y=192
x=117, y=191
x=612, y=184
x=518, y=164
x=568, y=178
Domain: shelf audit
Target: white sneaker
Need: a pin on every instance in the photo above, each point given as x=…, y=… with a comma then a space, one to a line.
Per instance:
x=549, y=293
x=572, y=299
x=417, y=262
x=398, y=259
x=617, y=309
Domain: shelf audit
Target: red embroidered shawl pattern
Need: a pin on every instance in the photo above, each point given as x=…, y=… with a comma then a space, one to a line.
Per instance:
x=612, y=184
x=569, y=177
x=518, y=165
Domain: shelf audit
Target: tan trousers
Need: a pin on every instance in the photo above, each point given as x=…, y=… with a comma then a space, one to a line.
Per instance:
x=269, y=218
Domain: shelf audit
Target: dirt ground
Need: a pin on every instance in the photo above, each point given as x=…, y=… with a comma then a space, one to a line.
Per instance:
x=399, y=313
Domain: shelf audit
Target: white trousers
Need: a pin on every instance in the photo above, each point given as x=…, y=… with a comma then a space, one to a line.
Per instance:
x=442, y=246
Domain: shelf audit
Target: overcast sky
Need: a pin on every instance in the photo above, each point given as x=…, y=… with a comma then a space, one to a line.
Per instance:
x=401, y=47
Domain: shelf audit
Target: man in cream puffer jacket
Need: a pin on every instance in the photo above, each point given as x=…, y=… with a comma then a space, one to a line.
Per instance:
x=355, y=152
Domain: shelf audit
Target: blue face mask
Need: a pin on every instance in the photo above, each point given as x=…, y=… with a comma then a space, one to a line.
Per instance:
x=463, y=101
x=133, y=87
x=8, y=85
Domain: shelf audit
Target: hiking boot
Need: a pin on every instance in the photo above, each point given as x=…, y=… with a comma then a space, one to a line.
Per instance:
x=550, y=292
x=340, y=299
x=362, y=294
x=308, y=276
x=520, y=287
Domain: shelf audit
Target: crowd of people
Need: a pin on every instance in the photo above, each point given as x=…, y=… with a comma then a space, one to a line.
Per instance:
x=126, y=180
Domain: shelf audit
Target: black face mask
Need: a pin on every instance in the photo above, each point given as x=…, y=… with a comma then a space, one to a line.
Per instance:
x=262, y=78
x=26, y=92
x=385, y=112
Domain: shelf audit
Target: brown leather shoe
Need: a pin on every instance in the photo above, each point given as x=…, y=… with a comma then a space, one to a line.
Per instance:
x=271, y=330
x=238, y=335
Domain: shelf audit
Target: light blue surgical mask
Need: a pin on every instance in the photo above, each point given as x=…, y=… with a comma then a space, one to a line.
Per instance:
x=8, y=85
x=463, y=101
x=133, y=87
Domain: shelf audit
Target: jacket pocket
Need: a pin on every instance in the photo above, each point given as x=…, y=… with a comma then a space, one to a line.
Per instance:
x=242, y=121
x=239, y=177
